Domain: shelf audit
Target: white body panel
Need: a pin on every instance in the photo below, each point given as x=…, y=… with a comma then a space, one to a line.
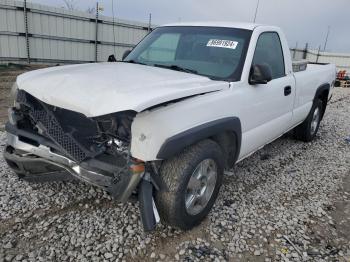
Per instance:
x=103, y=88
x=247, y=26
x=307, y=81
x=264, y=111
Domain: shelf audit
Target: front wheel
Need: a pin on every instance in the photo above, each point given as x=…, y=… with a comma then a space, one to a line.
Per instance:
x=307, y=130
x=193, y=179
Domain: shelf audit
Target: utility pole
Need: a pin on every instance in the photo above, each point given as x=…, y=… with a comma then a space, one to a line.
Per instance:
x=325, y=43
x=25, y=10
x=150, y=23
x=295, y=50
x=256, y=10
x=96, y=31
x=305, y=51
x=115, y=52
x=318, y=54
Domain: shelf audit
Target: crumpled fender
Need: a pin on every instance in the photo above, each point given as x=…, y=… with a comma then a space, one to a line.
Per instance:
x=161, y=133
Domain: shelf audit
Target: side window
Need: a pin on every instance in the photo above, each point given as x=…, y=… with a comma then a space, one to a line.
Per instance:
x=162, y=49
x=269, y=51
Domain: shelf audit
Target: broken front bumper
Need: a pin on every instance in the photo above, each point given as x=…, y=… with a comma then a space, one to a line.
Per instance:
x=25, y=148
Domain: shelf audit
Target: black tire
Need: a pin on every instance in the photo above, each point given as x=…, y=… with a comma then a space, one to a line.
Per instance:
x=304, y=131
x=176, y=173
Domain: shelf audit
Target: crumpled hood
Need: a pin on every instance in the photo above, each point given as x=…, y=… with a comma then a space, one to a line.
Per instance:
x=104, y=88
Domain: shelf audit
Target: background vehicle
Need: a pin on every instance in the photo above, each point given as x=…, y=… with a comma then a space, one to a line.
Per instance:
x=189, y=101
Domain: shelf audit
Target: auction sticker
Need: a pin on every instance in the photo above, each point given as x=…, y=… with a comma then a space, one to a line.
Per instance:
x=222, y=43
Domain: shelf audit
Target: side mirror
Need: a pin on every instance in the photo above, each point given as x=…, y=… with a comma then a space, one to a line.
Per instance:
x=260, y=74
x=126, y=53
x=111, y=58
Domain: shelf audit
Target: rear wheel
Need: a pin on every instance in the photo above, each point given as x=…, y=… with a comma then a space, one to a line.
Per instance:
x=307, y=130
x=193, y=179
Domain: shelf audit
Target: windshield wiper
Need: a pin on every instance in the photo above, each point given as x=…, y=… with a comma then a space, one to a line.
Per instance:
x=177, y=68
x=132, y=62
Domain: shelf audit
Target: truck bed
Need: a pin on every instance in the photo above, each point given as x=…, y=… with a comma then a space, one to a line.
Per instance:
x=314, y=76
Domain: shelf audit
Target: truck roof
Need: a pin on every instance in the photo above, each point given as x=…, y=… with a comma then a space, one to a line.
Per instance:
x=248, y=26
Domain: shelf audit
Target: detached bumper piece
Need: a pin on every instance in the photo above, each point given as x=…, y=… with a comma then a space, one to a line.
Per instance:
x=148, y=211
x=25, y=149
x=22, y=151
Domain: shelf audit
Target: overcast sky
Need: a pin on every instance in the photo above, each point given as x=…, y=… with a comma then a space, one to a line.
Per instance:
x=302, y=20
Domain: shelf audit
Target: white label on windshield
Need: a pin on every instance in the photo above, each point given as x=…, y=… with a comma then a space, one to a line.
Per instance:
x=222, y=43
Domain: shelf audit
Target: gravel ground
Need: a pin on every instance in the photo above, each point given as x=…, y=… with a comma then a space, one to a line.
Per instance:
x=288, y=202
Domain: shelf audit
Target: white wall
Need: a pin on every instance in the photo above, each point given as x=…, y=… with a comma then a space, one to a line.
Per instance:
x=59, y=35
x=342, y=61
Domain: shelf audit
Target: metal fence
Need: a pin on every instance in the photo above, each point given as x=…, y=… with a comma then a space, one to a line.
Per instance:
x=42, y=34
x=342, y=61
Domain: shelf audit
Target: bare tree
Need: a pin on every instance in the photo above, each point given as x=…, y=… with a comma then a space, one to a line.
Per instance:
x=91, y=10
x=70, y=4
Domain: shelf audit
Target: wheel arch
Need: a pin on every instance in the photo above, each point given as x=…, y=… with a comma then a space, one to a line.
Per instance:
x=227, y=132
x=322, y=93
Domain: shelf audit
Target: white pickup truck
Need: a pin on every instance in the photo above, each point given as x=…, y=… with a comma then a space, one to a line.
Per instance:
x=188, y=101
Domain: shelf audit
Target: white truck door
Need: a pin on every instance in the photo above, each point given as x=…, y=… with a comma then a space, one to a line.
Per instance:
x=271, y=104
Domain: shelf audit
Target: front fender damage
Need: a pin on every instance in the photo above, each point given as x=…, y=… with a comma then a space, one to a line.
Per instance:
x=94, y=150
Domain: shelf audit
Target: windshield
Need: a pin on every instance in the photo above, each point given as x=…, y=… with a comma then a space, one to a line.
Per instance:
x=215, y=52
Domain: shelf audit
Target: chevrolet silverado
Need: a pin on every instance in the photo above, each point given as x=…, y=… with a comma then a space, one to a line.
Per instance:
x=190, y=100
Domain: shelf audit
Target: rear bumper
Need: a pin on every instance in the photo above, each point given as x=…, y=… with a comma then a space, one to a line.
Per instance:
x=24, y=150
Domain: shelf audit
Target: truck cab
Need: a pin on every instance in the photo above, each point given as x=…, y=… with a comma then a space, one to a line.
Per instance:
x=190, y=100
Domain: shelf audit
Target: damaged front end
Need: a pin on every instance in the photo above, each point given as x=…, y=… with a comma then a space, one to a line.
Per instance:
x=43, y=139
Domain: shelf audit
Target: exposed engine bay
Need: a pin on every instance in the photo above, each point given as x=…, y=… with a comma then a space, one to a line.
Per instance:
x=77, y=136
x=96, y=150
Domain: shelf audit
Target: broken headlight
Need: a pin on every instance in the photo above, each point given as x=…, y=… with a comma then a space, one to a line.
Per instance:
x=13, y=117
x=14, y=92
x=116, y=126
x=114, y=130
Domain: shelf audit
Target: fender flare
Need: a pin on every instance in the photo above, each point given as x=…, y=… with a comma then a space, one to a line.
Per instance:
x=321, y=89
x=177, y=143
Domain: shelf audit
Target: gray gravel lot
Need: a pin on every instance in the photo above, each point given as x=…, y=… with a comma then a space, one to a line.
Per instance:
x=288, y=202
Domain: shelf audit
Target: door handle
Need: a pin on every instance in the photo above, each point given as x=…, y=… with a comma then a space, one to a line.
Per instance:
x=287, y=90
